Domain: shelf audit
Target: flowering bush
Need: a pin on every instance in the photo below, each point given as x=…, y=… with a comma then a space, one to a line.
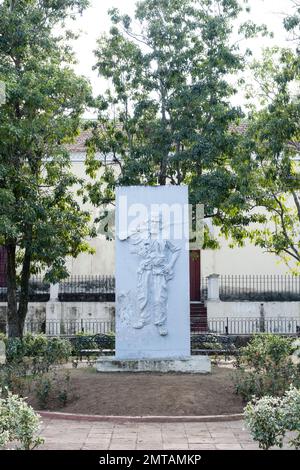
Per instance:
x=266, y=350
x=269, y=418
x=18, y=422
x=265, y=367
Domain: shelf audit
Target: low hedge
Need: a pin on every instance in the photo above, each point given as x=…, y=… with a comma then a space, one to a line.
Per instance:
x=51, y=350
x=86, y=341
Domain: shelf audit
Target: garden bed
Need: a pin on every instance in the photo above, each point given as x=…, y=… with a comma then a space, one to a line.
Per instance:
x=150, y=394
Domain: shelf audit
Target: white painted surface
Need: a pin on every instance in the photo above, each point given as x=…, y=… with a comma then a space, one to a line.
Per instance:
x=252, y=309
x=147, y=340
x=67, y=311
x=54, y=291
x=213, y=287
x=191, y=365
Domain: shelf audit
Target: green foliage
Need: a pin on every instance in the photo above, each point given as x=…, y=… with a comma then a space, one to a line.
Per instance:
x=266, y=351
x=263, y=417
x=82, y=341
x=43, y=351
x=42, y=390
x=87, y=341
x=58, y=350
x=41, y=222
x=15, y=350
x=105, y=341
x=35, y=345
x=13, y=377
x=265, y=367
x=292, y=21
x=212, y=341
x=265, y=165
x=52, y=388
x=170, y=98
x=18, y=422
x=269, y=419
x=32, y=365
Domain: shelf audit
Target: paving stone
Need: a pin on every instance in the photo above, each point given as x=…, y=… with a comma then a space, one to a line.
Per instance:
x=176, y=447
x=122, y=447
x=228, y=447
x=60, y=434
x=200, y=440
x=250, y=446
x=202, y=447
x=149, y=447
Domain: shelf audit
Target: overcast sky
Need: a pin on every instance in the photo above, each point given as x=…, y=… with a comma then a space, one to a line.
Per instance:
x=95, y=21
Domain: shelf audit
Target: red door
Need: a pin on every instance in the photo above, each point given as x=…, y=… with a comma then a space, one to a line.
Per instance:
x=195, y=278
x=3, y=261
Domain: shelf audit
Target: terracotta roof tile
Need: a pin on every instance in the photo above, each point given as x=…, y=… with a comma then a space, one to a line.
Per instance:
x=79, y=144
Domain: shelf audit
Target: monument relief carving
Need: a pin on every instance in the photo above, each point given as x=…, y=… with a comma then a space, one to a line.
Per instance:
x=157, y=258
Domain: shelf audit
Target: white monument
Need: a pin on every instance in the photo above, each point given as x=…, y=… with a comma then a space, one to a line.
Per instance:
x=152, y=282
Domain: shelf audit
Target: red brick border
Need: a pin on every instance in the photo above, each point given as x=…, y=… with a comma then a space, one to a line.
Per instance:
x=140, y=419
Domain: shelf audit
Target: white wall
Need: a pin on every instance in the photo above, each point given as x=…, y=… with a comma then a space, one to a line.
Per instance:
x=246, y=260
x=102, y=262
x=252, y=309
x=76, y=311
x=226, y=260
x=243, y=317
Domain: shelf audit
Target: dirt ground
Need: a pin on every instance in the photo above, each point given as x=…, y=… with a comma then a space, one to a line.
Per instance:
x=152, y=394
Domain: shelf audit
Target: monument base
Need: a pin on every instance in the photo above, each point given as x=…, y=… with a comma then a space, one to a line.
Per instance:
x=191, y=365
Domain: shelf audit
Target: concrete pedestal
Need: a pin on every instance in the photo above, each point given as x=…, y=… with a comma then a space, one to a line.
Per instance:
x=191, y=365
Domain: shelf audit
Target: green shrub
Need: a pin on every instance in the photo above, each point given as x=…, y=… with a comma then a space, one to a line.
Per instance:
x=42, y=390
x=212, y=341
x=58, y=350
x=52, y=389
x=269, y=418
x=265, y=351
x=265, y=367
x=82, y=341
x=87, y=341
x=13, y=376
x=105, y=341
x=35, y=345
x=43, y=351
x=15, y=349
x=274, y=382
x=18, y=422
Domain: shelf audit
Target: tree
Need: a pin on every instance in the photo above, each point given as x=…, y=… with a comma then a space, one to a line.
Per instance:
x=40, y=221
x=267, y=165
x=292, y=21
x=167, y=116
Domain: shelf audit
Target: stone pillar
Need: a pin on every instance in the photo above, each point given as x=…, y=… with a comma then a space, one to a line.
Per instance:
x=213, y=288
x=53, y=312
x=54, y=290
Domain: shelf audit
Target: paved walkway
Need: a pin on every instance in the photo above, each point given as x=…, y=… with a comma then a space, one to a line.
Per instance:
x=84, y=435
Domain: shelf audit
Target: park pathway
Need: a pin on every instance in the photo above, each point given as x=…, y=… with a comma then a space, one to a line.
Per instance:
x=95, y=435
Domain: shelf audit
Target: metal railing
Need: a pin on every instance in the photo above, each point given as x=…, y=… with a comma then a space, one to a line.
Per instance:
x=96, y=288
x=74, y=288
x=70, y=327
x=247, y=326
x=259, y=288
x=39, y=290
x=221, y=325
x=203, y=288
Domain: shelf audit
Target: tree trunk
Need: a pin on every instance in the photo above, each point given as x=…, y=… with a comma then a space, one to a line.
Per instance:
x=162, y=177
x=24, y=290
x=14, y=329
